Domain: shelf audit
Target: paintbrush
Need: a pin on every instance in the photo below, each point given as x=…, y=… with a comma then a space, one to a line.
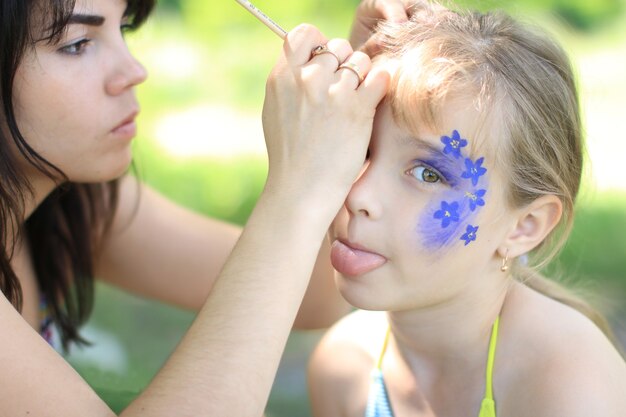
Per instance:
x=263, y=18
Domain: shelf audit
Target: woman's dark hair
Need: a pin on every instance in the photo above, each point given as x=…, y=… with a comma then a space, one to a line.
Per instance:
x=64, y=231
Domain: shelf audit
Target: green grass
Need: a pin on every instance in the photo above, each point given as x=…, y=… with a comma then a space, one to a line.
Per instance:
x=599, y=235
x=222, y=188
x=594, y=257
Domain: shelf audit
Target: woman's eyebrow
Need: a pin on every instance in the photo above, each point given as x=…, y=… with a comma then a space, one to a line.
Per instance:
x=86, y=19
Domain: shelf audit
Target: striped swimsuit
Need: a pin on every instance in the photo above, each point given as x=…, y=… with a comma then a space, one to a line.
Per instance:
x=378, y=404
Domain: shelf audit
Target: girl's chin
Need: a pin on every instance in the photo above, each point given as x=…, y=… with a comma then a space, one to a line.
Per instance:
x=360, y=296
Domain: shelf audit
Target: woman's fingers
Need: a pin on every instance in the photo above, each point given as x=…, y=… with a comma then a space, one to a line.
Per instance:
x=374, y=88
x=325, y=59
x=300, y=42
x=353, y=71
x=391, y=10
x=318, y=117
x=331, y=55
x=370, y=12
x=335, y=63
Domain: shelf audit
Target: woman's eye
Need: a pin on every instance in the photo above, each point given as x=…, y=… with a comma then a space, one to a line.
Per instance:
x=425, y=174
x=75, y=48
x=126, y=27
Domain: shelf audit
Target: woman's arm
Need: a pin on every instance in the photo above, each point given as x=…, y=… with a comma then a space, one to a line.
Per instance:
x=317, y=128
x=160, y=250
x=323, y=304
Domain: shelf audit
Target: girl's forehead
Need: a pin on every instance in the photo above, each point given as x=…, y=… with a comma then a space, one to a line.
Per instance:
x=455, y=119
x=430, y=103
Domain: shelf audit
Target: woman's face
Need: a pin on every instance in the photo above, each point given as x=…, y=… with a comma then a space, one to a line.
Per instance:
x=424, y=220
x=75, y=102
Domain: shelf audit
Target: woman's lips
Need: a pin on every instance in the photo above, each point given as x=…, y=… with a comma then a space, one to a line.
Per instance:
x=127, y=128
x=351, y=261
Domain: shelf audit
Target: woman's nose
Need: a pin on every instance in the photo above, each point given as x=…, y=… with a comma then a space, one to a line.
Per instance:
x=127, y=73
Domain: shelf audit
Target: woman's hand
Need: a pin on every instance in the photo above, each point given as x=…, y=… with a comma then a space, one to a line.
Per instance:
x=318, y=118
x=370, y=12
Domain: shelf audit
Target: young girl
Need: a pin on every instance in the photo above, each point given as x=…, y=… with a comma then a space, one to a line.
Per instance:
x=473, y=168
x=68, y=119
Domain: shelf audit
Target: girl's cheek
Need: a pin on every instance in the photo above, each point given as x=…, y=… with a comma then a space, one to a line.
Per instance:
x=450, y=217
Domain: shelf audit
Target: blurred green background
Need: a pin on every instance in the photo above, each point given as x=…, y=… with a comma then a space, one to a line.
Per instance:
x=200, y=143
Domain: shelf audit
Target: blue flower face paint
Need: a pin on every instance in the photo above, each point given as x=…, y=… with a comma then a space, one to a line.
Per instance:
x=448, y=213
x=470, y=234
x=453, y=144
x=444, y=221
x=475, y=199
x=474, y=170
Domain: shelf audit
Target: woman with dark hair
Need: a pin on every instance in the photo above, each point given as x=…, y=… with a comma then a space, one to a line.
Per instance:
x=68, y=214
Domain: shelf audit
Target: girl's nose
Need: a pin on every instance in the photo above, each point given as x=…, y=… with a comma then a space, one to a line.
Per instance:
x=364, y=198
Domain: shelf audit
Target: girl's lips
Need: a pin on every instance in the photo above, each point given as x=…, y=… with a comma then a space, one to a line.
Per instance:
x=351, y=261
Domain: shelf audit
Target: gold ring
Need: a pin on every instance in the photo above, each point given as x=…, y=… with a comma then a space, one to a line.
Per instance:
x=323, y=49
x=354, y=68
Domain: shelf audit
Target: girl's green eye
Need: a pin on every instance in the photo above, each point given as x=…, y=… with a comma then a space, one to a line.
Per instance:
x=425, y=174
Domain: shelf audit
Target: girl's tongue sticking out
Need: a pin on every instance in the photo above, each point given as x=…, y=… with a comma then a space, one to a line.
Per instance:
x=350, y=261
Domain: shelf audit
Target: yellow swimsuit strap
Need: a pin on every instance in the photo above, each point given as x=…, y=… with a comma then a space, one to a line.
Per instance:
x=490, y=359
x=488, y=407
x=379, y=363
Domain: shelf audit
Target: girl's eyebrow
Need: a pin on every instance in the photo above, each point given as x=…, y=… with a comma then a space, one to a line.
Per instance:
x=423, y=144
x=86, y=19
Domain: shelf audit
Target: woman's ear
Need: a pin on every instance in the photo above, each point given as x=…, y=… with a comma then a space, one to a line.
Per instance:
x=534, y=223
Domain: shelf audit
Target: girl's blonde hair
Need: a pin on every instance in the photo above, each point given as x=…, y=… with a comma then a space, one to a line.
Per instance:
x=523, y=86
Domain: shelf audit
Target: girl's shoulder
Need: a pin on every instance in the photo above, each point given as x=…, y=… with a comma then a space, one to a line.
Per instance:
x=555, y=361
x=360, y=336
x=361, y=330
x=340, y=366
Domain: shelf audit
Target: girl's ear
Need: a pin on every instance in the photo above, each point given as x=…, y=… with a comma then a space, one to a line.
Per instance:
x=533, y=224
